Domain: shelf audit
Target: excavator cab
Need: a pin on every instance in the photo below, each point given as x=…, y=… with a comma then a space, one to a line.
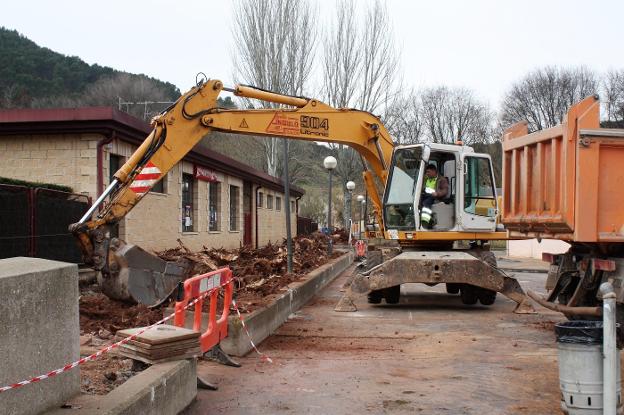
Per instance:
x=429, y=255
x=470, y=204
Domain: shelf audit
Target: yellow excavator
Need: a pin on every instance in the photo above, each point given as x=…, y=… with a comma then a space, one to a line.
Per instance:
x=394, y=176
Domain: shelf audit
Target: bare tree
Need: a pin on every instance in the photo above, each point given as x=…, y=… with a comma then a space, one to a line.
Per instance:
x=127, y=88
x=451, y=114
x=313, y=205
x=342, y=58
x=360, y=69
x=275, y=46
x=380, y=59
x=404, y=119
x=543, y=97
x=613, y=93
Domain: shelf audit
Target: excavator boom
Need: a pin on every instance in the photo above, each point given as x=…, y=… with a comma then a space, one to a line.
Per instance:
x=130, y=273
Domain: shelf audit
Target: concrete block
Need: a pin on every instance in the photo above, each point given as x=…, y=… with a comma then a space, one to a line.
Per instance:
x=63, y=144
x=162, y=389
x=15, y=145
x=38, y=154
x=39, y=332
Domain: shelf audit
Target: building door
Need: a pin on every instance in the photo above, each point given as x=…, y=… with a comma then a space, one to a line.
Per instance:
x=247, y=213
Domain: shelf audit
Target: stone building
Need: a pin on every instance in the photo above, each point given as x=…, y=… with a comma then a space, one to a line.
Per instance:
x=206, y=199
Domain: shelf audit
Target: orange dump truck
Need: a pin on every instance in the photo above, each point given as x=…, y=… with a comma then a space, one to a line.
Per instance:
x=567, y=183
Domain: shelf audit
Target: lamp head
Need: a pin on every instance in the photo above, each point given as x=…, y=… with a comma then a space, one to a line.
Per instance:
x=330, y=162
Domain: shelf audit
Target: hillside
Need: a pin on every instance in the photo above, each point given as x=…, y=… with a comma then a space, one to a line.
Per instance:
x=35, y=76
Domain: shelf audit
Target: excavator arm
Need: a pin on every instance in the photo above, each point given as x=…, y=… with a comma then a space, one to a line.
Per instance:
x=130, y=273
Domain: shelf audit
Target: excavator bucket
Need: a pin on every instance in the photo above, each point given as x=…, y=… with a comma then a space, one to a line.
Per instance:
x=140, y=276
x=429, y=267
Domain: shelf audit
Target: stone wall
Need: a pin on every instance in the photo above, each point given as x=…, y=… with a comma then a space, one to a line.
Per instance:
x=272, y=222
x=39, y=332
x=156, y=222
x=60, y=159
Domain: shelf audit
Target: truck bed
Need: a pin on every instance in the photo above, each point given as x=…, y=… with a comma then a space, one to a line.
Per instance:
x=565, y=182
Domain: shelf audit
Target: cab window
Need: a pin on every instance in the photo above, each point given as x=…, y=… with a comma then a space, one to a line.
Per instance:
x=399, y=203
x=479, y=192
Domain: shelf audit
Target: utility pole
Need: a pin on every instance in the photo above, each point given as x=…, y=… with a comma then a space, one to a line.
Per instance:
x=289, y=250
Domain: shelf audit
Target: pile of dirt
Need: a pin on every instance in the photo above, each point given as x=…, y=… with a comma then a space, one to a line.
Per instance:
x=98, y=312
x=100, y=376
x=258, y=272
x=340, y=235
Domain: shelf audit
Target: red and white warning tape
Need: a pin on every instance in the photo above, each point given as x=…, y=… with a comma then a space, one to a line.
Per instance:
x=262, y=355
x=107, y=349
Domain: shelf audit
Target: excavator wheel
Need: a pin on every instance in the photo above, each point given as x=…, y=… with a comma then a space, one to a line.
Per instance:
x=374, y=297
x=486, y=297
x=392, y=294
x=452, y=288
x=468, y=294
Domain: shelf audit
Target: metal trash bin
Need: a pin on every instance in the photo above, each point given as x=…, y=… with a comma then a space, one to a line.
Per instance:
x=580, y=367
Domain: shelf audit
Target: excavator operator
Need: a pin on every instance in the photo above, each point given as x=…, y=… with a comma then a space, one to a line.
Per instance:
x=436, y=188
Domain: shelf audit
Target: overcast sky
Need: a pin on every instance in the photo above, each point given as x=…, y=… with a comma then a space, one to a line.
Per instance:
x=481, y=44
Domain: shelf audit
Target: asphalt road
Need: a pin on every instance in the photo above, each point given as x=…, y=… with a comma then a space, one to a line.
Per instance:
x=428, y=355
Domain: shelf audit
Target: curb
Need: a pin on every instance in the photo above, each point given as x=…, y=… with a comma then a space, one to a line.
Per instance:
x=263, y=322
x=164, y=388
x=529, y=270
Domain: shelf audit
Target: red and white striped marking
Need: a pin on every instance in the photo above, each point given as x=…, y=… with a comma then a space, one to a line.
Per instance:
x=107, y=349
x=262, y=355
x=144, y=181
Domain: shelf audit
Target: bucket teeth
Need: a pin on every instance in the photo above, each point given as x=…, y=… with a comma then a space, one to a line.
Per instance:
x=525, y=307
x=345, y=304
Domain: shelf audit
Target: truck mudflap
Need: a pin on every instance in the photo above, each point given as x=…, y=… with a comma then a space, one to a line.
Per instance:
x=433, y=268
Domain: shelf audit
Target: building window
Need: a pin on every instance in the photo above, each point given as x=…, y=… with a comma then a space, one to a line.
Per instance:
x=269, y=202
x=292, y=206
x=187, y=202
x=115, y=162
x=278, y=203
x=234, y=208
x=214, y=206
x=160, y=187
x=260, y=201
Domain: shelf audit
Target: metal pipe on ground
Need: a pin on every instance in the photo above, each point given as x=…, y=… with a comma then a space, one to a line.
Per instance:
x=574, y=311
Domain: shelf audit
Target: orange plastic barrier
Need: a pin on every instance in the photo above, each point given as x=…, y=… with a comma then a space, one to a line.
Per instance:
x=215, y=281
x=360, y=248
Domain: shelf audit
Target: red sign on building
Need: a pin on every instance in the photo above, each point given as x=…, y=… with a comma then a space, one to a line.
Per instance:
x=205, y=174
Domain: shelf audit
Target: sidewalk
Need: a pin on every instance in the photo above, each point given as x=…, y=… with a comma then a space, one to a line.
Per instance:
x=519, y=264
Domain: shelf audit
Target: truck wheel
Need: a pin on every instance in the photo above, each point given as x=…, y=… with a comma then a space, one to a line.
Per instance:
x=452, y=288
x=374, y=297
x=392, y=294
x=486, y=297
x=468, y=294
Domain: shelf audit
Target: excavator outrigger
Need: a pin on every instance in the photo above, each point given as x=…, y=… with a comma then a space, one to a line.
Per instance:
x=469, y=213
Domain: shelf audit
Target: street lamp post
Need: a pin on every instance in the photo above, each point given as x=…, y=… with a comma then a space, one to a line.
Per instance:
x=348, y=214
x=330, y=164
x=362, y=200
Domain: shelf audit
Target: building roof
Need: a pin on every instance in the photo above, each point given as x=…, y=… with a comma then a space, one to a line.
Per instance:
x=108, y=120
